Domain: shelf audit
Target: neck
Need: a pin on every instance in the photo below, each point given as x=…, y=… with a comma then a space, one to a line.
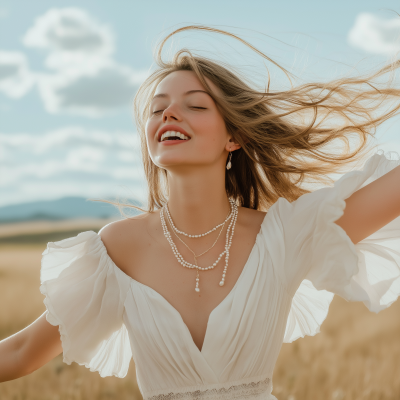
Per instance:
x=197, y=199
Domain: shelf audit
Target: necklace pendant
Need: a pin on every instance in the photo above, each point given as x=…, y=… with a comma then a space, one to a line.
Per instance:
x=197, y=289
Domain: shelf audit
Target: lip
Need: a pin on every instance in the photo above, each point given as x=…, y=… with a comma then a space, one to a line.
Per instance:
x=174, y=128
x=171, y=142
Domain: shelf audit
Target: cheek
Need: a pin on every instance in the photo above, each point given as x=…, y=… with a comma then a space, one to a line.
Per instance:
x=213, y=130
x=152, y=126
x=150, y=129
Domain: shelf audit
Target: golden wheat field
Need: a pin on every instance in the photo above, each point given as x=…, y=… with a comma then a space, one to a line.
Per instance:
x=356, y=355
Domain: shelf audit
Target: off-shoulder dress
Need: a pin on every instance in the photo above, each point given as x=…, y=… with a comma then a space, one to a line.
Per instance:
x=300, y=259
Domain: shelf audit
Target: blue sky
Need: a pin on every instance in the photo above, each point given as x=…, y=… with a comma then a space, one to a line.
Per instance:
x=69, y=71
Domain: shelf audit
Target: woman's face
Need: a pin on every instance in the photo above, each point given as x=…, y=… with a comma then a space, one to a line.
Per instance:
x=185, y=127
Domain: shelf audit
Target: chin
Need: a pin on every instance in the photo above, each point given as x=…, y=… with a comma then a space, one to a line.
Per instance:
x=167, y=161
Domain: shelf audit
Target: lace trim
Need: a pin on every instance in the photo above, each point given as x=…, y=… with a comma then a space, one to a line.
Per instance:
x=251, y=390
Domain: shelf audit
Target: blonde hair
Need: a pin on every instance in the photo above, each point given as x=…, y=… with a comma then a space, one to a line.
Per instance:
x=286, y=137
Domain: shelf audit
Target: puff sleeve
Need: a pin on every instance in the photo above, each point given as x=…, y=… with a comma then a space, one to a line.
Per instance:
x=321, y=260
x=84, y=296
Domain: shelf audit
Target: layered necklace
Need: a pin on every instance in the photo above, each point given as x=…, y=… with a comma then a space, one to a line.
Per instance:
x=232, y=217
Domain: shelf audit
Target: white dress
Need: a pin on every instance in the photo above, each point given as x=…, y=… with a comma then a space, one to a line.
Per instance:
x=300, y=259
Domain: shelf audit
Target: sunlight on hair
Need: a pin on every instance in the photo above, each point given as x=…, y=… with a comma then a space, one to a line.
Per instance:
x=291, y=140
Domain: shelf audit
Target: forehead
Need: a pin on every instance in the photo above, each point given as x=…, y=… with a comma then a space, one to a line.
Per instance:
x=180, y=82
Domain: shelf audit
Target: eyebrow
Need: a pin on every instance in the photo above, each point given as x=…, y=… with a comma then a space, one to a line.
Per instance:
x=162, y=95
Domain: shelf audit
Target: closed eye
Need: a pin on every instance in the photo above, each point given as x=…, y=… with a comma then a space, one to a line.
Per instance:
x=198, y=108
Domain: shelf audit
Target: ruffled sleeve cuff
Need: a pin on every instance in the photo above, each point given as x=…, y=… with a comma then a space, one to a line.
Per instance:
x=84, y=296
x=368, y=271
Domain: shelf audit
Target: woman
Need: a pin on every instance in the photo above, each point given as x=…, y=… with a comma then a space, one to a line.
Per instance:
x=233, y=256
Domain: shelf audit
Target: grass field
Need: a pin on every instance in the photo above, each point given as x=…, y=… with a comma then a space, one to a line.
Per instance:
x=356, y=355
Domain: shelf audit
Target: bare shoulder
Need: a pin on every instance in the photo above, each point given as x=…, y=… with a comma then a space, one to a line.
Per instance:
x=250, y=219
x=126, y=237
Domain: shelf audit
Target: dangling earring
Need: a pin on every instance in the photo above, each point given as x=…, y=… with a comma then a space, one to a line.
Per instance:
x=229, y=165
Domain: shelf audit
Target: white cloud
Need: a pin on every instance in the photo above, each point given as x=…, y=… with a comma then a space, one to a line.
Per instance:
x=15, y=77
x=70, y=137
x=69, y=33
x=85, y=158
x=390, y=146
x=376, y=35
x=70, y=161
x=86, y=81
x=91, y=90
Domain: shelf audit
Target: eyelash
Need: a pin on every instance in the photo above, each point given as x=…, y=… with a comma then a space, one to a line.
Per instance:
x=199, y=108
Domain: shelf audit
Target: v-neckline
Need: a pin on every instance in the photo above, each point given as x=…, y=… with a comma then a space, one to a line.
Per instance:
x=213, y=311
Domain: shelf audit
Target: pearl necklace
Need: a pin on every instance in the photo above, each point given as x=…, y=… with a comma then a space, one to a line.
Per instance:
x=202, y=234
x=196, y=256
x=228, y=243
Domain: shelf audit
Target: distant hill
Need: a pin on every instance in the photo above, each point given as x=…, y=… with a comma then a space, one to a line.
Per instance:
x=64, y=208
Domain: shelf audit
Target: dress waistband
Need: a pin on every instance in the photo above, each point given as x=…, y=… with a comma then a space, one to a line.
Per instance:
x=260, y=390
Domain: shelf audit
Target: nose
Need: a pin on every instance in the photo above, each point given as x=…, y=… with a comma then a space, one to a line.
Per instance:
x=171, y=114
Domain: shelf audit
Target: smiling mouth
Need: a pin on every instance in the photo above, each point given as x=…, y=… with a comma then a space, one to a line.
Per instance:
x=172, y=135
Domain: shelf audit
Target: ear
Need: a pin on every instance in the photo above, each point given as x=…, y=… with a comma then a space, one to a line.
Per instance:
x=232, y=145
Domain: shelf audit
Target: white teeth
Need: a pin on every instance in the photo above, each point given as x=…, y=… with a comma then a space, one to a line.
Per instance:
x=173, y=133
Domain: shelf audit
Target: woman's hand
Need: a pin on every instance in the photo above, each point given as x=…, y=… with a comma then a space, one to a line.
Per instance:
x=29, y=349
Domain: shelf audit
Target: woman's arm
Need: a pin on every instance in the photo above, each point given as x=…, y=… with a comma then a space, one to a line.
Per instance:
x=29, y=349
x=372, y=207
